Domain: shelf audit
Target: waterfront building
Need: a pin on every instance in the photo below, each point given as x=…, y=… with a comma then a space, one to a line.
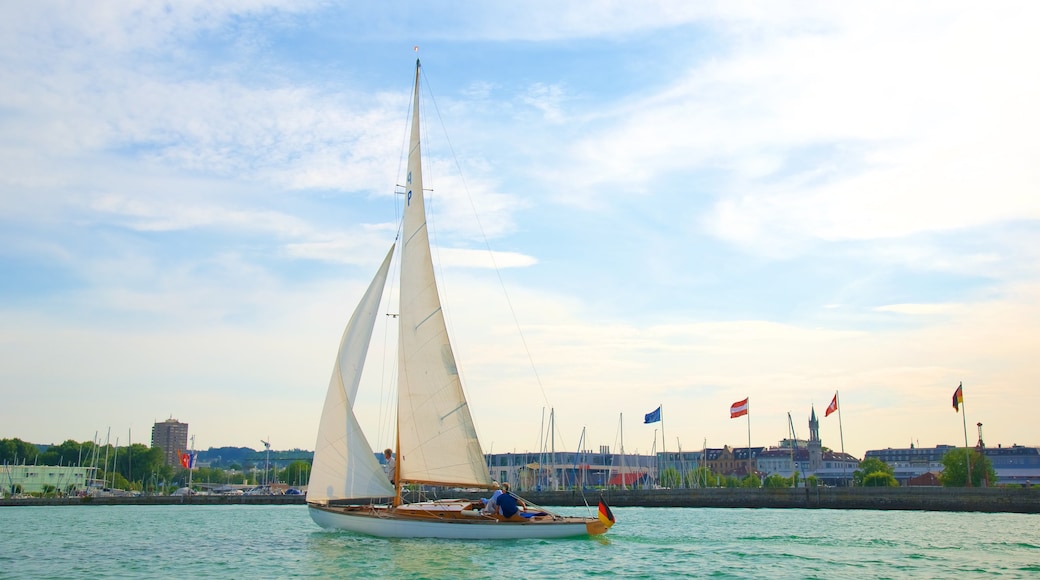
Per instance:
x=791, y=456
x=172, y=437
x=732, y=461
x=831, y=468
x=910, y=462
x=556, y=470
x=1015, y=465
x=44, y=479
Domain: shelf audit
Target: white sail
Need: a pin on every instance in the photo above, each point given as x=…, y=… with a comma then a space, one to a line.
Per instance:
x=344, y=465
x=438, y=442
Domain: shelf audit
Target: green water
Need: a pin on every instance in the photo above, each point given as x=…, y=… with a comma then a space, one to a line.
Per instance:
x=241, y=541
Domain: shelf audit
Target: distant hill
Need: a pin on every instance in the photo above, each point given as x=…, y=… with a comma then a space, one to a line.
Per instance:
x=247, y=456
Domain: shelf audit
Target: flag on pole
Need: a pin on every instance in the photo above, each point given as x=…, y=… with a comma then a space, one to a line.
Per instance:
x=188, y=460
x=653, y=416
x=738, y=409
x=605, y=515
x=958, y=398
x=184, y=459
x=832, y=407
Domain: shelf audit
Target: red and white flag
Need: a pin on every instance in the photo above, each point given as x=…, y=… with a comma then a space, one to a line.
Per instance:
x=188, y=460
x=833, y=406
x=738, y=409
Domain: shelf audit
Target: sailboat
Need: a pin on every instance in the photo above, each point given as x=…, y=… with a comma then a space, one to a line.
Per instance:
x=437, y=442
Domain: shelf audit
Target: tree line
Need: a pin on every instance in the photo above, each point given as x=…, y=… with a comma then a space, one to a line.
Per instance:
x=142, y=468
x=138, y=467
x=872, y=472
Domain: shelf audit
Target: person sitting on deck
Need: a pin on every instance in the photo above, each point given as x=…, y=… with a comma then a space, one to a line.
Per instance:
x=509, y=505
x=491, y=504
x=391, y=465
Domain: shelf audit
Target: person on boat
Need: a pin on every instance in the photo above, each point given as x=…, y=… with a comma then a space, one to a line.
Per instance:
x=491, y=503
x=391, y=465
x=509, y=504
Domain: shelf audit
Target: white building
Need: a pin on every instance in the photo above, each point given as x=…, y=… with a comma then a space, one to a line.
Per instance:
x=43, y=478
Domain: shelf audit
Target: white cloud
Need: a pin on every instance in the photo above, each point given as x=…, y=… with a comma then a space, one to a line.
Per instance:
x=900, y=134
x=851, y=129
x=915, y=309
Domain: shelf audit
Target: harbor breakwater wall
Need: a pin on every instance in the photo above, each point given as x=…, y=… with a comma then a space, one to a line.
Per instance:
x=159, y=500
x=1009, y=500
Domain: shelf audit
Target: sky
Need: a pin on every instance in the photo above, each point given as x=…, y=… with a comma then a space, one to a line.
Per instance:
x=665, y=203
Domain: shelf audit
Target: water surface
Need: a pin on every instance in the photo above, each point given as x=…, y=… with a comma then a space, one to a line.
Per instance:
x=246, y=541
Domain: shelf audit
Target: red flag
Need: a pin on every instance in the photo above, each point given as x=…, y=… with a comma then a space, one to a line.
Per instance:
x=738, y=409
x=832, y=407
x=185, y=459
x=605, y=515
x=958, y=398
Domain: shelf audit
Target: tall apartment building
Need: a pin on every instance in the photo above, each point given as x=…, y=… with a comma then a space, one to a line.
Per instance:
x=171, y=436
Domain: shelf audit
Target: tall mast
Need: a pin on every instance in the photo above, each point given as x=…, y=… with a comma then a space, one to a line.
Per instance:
x=399, y=473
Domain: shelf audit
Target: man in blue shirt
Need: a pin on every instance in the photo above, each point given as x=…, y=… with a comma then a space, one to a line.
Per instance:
x=509, y=505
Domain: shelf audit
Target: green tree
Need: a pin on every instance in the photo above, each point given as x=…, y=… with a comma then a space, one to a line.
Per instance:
x=298, y=472
x=751, y=481
x=730, y=481
x=16, y=452
x=776, y=480
x=812, y=481
x=868, y=466
x=68, y=453
x=702, y=477
x=113, y=480
x=880, y=479
x=670, y=478
x=955, y=469
x=137, y=462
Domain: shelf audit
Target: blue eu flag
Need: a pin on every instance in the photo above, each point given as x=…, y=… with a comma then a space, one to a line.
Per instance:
x=653, y=416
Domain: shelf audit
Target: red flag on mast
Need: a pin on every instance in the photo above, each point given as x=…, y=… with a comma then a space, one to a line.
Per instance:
x=832, y=407
x=738, y=409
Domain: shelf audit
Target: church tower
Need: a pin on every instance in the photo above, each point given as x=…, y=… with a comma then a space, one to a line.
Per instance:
x=815, y=445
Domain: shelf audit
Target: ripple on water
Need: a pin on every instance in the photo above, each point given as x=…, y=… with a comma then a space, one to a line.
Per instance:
x=282, y=542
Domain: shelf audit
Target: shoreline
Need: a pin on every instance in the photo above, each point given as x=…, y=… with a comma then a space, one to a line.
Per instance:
x=992, y=500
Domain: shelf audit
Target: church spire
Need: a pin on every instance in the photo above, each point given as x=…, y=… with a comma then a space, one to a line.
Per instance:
x=814, y=426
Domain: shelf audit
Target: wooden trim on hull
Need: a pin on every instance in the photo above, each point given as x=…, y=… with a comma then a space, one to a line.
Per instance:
x=447, y=519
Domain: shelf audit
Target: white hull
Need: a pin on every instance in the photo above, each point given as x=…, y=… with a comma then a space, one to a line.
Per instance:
x=381, y=522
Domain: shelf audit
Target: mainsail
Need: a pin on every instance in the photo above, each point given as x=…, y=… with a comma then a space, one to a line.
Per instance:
x=438, y=442
x=344, y=466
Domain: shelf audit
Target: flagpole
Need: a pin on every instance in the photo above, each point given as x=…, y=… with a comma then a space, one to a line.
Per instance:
x=190, y=453
x=841, y=432
x=749, y=435
x=664, y=445
x=964, y=418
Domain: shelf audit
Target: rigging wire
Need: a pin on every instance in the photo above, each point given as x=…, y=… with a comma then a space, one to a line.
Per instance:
x=487, y=246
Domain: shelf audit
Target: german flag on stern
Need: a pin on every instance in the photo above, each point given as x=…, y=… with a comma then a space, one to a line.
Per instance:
x=605, y=515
